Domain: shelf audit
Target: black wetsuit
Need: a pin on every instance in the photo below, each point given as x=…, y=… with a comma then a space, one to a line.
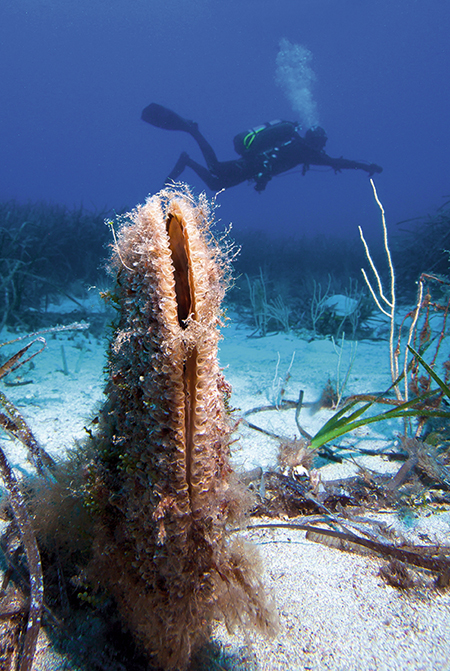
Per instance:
x=257, y=166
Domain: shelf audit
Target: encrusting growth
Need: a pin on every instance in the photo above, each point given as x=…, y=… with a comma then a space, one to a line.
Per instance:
x=160, y=485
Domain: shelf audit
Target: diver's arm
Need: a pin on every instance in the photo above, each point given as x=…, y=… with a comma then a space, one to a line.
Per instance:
x=339, y=164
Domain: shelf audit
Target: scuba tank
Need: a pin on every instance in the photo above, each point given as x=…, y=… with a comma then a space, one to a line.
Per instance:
x=262, y=138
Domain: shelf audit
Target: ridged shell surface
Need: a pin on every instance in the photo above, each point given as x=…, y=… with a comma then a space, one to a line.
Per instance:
x=162, y=485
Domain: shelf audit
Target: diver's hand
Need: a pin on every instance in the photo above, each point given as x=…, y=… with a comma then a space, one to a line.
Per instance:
x=373, y=168
x=261, y=181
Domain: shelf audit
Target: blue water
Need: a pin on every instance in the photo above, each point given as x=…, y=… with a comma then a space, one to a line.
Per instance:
x=76, y=75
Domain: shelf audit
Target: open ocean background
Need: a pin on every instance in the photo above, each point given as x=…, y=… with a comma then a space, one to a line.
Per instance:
x=75, y=77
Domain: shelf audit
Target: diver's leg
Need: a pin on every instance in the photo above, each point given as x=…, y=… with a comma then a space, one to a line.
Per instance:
x=185, y=160
x=179, y=167
x=211, y=181
x=206, y=149
x=160, y=116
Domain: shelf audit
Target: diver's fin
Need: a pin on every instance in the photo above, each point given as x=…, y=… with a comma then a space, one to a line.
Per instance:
x=162, y=117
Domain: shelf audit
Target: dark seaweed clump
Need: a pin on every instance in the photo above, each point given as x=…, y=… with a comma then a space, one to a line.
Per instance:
x=48, y=252
x=289, y=274
x=422, y=245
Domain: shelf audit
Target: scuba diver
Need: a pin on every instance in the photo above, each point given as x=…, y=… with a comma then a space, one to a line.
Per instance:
x=265, y=151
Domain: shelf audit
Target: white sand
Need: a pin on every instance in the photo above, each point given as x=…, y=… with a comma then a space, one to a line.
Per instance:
x=334, y=609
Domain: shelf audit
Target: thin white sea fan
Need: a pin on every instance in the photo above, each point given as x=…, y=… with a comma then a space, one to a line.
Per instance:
x=295, y=77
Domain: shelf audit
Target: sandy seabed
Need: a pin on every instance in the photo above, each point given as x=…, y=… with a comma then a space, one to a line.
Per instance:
x=335, y=610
